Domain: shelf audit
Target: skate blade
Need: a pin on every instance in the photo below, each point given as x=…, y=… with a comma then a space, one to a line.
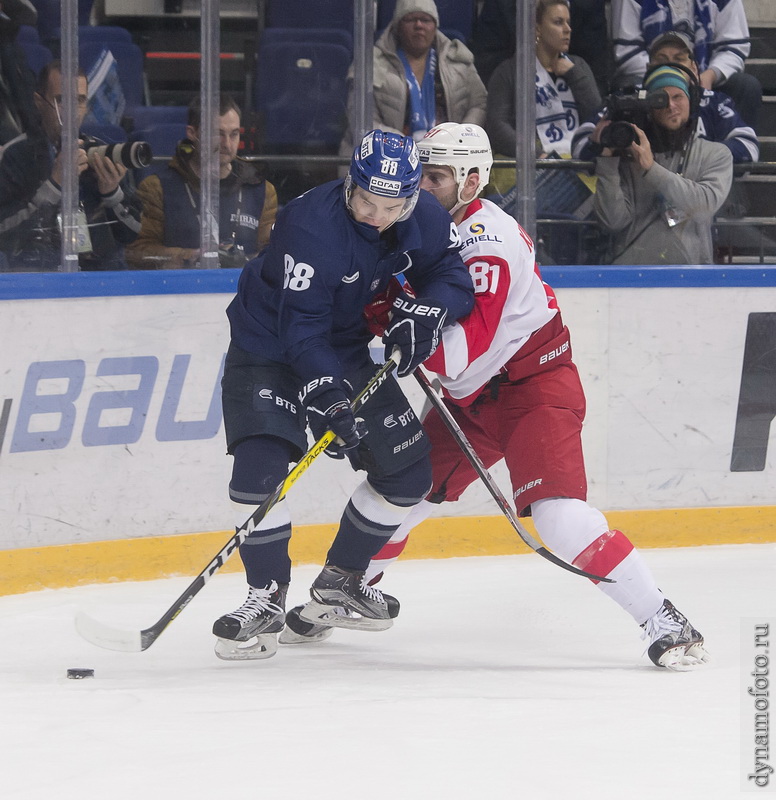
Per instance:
x=264, y=645
x=684, y=658
x=287, y=636
x=321, y=614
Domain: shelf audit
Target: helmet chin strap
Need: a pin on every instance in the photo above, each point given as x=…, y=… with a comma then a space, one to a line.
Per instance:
x=461, y=202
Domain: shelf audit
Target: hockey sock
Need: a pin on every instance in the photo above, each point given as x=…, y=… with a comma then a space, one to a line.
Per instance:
x=264, y=552
x=368, y=522
x=393, y=548
x=260, y=464
x=580, y=534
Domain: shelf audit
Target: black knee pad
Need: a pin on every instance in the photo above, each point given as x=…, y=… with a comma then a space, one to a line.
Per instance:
x=260, y=464
x=408, y=486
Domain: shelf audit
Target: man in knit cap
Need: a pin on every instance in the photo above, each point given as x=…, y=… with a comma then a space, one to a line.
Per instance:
x=421, y=77
x=658, y=195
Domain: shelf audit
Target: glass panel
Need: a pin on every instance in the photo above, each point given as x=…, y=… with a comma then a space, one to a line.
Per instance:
x=139, y=66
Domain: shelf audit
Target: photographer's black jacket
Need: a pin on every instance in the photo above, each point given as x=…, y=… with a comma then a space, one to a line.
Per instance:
x=29, y=231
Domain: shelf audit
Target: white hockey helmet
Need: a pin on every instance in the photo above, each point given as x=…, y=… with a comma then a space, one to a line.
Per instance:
x=463, y=147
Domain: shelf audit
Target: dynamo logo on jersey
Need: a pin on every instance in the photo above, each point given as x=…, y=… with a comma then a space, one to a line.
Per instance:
x=477, y=228
x=383, y=186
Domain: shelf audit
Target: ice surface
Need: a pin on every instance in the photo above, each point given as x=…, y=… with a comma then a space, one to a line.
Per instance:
x=502, y=678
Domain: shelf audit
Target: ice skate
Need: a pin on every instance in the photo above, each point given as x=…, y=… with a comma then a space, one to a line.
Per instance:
x=367, y=608
x=674, y=643
x=299, y=631
x=251, y=631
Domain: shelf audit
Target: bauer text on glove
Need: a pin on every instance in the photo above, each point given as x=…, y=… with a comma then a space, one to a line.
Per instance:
x=416, y=328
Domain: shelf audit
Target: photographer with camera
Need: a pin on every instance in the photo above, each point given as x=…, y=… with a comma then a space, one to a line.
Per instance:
x=108, y=215
x=659, y=183
x=170, y=234
x=718, y=119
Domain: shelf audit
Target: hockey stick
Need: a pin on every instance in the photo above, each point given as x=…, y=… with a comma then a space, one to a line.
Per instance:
x=136, y=641
x=460, y=437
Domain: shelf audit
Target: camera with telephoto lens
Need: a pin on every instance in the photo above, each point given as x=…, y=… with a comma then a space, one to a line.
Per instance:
x=129, y=154
x=625, y=110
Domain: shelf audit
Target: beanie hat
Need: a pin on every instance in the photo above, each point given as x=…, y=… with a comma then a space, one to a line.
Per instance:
x=664, y=76
x=404, y=7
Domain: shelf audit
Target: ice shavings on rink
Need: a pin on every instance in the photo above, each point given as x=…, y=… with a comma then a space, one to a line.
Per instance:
x=502, y=678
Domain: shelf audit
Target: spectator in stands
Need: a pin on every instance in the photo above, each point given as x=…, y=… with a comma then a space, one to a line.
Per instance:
x=658, y=195
x=718, y=30
x=566, y=93
x=170, y=231
x=421, y=77
x=718, y=120
x=108, y=216
x=494, y=37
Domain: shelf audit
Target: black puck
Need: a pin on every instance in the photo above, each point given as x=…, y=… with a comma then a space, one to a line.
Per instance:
x=80, y=674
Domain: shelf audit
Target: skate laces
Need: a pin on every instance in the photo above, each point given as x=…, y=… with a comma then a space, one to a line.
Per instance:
x=259, y=601
x=371, y=593
x=666, y=621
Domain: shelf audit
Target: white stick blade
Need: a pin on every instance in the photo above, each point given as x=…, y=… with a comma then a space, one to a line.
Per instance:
x=106, y=637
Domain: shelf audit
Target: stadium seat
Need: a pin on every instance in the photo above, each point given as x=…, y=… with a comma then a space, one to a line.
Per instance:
x=110, y=134
x=50, y=17
x=163, y=137
x=297, y=14
x=27, y=34
x=330, y=35
x=301, y=93
x=37, y=55
x=141, y=117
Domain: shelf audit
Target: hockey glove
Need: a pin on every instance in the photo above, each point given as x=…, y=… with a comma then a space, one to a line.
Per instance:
x=328, y=408
x=416, y=328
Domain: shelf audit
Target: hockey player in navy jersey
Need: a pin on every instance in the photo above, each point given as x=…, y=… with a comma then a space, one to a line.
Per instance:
x=509, y=380
x=299, y=352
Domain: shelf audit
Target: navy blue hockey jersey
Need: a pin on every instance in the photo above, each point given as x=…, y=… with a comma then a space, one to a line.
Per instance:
x=301, y=300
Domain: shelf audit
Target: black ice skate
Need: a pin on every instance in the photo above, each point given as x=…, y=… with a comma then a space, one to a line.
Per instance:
x=299, y=631
x=674, y=643
x=367, y=609
x=251, y=631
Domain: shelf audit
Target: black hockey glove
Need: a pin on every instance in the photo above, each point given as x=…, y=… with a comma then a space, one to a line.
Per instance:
x=415, y=328
x=328, y=408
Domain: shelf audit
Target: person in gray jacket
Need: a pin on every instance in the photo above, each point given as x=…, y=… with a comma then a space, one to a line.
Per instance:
x=421, y=77
x=658, y=195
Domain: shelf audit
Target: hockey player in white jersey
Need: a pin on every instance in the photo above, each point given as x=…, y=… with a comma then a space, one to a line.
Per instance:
x=509, y=380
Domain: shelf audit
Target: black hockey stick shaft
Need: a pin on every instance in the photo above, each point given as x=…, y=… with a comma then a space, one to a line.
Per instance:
x=132, y=642
x=471, y=454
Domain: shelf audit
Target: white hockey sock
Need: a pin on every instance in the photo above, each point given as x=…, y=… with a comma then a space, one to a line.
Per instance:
x=580, y=534
x=278, y=517
x=393, y=548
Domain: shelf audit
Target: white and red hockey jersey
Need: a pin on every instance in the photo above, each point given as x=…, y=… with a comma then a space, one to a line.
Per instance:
x=511, y=303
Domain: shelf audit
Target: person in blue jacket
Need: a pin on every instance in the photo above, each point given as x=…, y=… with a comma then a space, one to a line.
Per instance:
x=299, y=352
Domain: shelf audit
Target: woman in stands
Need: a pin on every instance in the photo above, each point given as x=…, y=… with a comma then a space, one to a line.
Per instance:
x=566, y=91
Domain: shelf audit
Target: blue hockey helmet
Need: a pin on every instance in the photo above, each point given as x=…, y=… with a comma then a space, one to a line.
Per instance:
x=386, y=164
